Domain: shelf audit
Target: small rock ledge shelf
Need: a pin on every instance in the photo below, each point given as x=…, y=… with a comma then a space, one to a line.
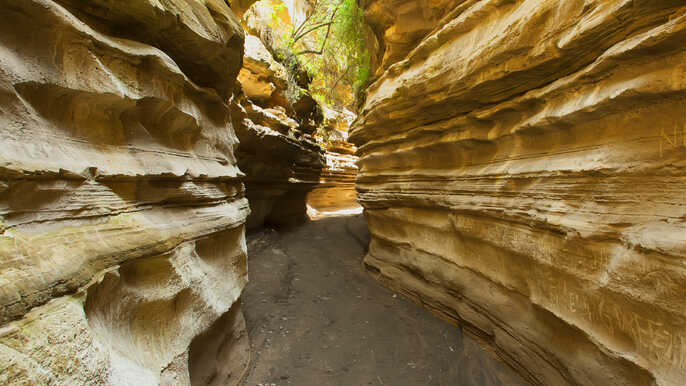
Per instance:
x=522, y=167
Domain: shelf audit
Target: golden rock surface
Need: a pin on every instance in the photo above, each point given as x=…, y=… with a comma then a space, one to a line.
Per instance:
x=336, y=188
x=122, y=250
x=262, y=79
x=523, y=170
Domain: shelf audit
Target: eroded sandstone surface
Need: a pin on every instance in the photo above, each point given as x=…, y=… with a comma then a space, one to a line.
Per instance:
x=122, y=249
x=336, y=189
x=288, y=166
x=522, y=168
x=281, y=161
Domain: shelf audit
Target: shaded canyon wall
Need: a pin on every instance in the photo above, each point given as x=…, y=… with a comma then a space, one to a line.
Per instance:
x=122, y=250
x=290, y=170
x=281, y=159
x=522, y=169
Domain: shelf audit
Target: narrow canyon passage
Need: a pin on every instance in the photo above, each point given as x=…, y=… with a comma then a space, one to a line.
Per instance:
x=521, y=166
x=315, y=317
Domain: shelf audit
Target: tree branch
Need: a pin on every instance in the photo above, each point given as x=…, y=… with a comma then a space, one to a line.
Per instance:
x=326, y=37
x=347, y=70
x=307, y=19
x=302, y=25
x=300, y=36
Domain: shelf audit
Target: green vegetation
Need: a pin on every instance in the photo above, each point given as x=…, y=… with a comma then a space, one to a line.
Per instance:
x=330, y=45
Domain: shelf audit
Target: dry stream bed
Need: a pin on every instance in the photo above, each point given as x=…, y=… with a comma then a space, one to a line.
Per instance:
x=316, y=318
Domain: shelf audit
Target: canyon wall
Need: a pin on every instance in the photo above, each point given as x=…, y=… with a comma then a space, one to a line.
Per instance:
x=292, y=172
x=522, y=166
x=122, y=250
x=336, y=189
x=281, y=159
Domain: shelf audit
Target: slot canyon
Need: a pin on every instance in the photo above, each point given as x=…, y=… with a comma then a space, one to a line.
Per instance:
x=342, y=192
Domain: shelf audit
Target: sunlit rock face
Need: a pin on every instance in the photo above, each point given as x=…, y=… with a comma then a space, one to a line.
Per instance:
x=268, y=84
x=263, y=79
x=336, y=189
x=239, y=7
x=522, y=169
x=399, y=25
x=121, y=208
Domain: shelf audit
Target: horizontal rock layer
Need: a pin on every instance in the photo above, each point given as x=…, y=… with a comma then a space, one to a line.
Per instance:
x=336, y=188
x=264, y=81
x=121, y=206
x=399, y=25
x=281, y=164
x=286, y=167
x=522, y=173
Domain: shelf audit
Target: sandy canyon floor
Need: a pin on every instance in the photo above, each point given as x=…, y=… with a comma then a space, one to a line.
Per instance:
x=316, y=318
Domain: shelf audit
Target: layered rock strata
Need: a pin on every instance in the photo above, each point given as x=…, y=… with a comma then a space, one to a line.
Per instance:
x=281, y=164
x=399, y=25
x=287, y=167
x=262, y=78
x=522, y=172
x=336, y=189
x=122, y=250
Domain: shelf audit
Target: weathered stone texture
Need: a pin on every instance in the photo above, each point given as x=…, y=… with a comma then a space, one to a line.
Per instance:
x=288, y=162
x=121, y=205
x=287, y=168
x=281, y=164
x=523, y=173
x=399, y=25
x=336, y=188
x=262, y=78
